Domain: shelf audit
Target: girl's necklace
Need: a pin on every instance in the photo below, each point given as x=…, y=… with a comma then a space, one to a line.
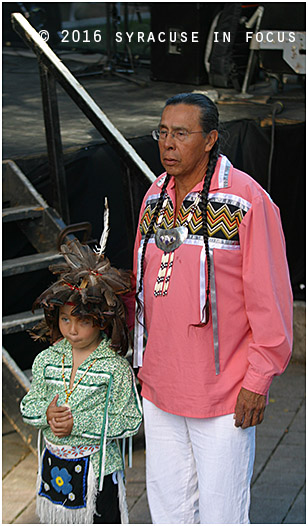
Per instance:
x=67, y=392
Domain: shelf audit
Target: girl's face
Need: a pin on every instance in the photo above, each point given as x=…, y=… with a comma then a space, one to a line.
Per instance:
x=79, y=332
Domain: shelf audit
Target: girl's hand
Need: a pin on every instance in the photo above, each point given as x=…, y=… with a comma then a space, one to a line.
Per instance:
x=59, y=418
x=61, y=428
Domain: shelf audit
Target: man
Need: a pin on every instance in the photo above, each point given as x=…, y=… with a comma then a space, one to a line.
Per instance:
x=214, y=295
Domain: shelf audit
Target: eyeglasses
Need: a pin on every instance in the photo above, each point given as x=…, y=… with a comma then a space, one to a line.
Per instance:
x=178, y=135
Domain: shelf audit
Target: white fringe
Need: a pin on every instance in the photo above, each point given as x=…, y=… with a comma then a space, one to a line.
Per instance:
x=50, y=513
x=122, y=499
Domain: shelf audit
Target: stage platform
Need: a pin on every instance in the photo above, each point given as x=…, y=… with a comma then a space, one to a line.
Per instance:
x=133, y=109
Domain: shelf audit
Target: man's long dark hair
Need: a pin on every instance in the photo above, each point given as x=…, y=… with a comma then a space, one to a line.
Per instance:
x=209, y=120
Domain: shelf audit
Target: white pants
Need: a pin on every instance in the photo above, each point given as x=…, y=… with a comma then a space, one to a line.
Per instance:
x=198, y=470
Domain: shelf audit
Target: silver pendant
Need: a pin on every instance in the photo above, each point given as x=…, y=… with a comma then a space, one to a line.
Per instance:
x=170, y=239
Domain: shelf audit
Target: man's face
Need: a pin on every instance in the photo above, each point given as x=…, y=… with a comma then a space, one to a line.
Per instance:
x=189, y=157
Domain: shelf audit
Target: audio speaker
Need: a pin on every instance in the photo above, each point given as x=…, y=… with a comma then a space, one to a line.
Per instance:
x=180, y=61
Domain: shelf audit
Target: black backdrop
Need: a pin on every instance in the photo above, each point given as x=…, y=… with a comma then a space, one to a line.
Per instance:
x=95, y=171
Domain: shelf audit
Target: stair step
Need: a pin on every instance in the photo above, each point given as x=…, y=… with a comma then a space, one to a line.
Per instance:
x=30, y=263
x=19, y=213
x=21, y=321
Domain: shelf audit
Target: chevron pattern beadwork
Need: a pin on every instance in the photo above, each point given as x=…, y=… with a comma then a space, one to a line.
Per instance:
x=167, y=221
x=223, y=219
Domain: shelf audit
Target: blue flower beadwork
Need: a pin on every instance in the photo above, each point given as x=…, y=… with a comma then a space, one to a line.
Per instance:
x=60, y=480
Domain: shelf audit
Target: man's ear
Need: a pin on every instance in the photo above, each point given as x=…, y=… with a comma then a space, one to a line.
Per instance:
x=211, y=138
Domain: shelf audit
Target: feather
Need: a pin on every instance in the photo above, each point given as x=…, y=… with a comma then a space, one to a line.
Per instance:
x=87, y=279
x=121, y=310
x=40, y=331
x=103, y=265
x=116, y=284
x=110, y=298
x=72, y=259
x=104, y=236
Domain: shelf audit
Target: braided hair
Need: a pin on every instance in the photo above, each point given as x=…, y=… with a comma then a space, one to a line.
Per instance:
x=209, y=120
x=147, y=237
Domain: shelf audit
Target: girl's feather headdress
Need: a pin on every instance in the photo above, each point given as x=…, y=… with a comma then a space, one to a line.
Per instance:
x=89, y=282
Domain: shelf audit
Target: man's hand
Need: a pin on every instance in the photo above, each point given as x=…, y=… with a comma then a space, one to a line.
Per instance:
x=249, y=409
x=59, y=418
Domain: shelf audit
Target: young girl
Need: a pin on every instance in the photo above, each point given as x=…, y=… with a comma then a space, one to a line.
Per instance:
x=83, y=395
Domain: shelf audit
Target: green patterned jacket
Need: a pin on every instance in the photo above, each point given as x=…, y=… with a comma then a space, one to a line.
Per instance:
x=109, y=386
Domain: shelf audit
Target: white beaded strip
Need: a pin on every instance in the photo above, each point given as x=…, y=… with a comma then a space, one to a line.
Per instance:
x=167, y=280
x=163, y=278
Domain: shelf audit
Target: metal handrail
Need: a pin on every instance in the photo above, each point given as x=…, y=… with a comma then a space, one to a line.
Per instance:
x=48, y=59
x=80, y=96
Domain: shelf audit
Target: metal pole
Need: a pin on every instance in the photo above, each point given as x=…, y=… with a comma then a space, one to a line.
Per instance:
x=54, y=143
x=108, y=33
x=257, y=16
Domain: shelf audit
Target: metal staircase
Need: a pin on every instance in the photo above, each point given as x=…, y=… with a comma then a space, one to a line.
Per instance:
x=43, y=227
